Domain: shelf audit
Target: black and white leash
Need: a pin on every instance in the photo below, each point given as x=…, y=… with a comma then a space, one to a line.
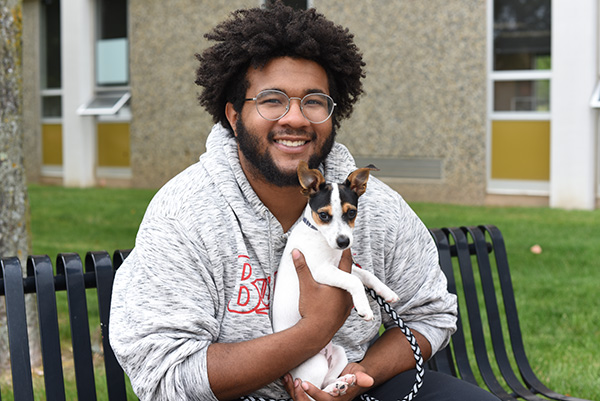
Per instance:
x=411, y=340
x=413, y=344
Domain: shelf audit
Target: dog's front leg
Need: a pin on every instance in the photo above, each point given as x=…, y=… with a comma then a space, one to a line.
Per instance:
x=335, y=277
x=371, y=281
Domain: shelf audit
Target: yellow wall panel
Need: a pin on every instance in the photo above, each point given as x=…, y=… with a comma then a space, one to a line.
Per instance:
x=521, y=150
x=52, y=144
x=113, y=145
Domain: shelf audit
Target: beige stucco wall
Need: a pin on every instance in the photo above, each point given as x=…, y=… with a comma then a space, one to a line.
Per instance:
x=425, y=90
x=169, y=127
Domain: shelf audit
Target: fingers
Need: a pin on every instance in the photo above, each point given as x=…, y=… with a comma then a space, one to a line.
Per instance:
x=324, y=307
x=302, y=270
x=297, y=389
x=312, y=390
x=301, y=267
x=364, y=380
x=300, y=262
x=300, y=390
x=346, y=261
x=288, y=384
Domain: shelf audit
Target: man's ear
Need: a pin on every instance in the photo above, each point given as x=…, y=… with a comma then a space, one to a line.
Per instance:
x=232, y=116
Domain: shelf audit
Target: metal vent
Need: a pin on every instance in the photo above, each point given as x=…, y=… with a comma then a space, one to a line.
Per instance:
x=419, y=168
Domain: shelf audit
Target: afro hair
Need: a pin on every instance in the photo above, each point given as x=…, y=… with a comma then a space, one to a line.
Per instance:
x=252, y=37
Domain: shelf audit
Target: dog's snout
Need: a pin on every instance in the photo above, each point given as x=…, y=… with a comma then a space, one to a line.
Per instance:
x=343, y=241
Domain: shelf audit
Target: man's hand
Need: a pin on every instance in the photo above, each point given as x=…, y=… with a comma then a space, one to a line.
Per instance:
x=300, y=391
x=322, y=307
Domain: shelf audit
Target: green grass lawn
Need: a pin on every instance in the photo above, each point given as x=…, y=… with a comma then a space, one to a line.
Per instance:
x=556, y=291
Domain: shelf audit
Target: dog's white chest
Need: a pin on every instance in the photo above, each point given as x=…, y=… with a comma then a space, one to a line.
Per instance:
x=320, y=258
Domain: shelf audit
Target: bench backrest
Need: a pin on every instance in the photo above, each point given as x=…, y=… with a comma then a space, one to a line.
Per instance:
x=70, y=277
x=475, y=262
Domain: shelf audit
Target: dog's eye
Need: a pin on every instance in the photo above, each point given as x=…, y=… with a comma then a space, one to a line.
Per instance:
x=351, y=214
x=324, y=216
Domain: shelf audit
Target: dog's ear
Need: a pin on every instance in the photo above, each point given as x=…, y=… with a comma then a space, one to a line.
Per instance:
x=310, y=179
x=357, y=180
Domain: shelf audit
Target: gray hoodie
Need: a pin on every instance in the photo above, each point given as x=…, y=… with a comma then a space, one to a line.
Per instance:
x=202, y=271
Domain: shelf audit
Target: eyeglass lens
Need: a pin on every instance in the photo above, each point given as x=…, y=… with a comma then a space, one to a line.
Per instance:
x=273, y=105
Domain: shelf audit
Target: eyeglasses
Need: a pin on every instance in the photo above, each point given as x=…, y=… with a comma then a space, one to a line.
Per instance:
x=272, y=105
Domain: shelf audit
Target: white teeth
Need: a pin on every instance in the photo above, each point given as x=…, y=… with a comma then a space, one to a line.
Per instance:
x=291, y=143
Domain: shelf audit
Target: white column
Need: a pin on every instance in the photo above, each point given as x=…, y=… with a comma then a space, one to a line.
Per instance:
x=573, y=128
x=79, y=132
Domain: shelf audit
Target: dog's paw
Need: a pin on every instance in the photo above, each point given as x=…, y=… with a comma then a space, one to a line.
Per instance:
x=341, y=385
x=391, y=298
x=388, y=295
x=366, y=315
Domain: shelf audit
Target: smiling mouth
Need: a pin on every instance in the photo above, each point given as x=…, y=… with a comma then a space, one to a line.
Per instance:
x=291, y=144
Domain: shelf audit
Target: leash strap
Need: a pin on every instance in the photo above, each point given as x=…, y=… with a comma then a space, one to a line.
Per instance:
x=413, y=344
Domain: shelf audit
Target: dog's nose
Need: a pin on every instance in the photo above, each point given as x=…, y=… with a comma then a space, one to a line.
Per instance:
x=343, y=242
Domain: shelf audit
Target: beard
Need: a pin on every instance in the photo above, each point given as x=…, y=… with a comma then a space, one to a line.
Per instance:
x=263, y=163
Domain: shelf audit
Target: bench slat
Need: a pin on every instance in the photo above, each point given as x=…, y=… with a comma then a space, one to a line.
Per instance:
x=18, y=339
x=474, y=314
x=119, y=256
x=41, y=268
x=458, y=338
x=101, y=264
x=443, y=361
x=70, y=263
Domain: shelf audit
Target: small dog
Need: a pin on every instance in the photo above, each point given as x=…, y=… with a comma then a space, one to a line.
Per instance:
x=324, y=233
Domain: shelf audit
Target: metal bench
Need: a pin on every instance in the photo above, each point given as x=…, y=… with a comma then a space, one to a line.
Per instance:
x=480, y=251
x=70, y=277
x=468, y=251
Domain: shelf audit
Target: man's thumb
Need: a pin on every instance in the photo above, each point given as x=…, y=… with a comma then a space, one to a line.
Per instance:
x=299, y=263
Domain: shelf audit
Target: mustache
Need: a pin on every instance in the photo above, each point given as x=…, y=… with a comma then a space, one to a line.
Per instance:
x=292, y=132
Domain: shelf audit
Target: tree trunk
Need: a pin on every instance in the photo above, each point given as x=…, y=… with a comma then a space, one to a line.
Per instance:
x=14, y=204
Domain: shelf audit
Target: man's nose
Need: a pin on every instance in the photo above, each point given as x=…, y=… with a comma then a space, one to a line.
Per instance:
x=294, y=116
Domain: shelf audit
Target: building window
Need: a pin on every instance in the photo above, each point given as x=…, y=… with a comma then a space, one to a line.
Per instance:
x=51, y=88
x=521, y=43
x=522, y=35
x=111, y=103
x=51, y=80
x=525, y=95
x=519, y=106
x=112, y=60
x=112, y=48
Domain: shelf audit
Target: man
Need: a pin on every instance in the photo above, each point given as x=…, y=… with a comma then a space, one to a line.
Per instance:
x=190, y=315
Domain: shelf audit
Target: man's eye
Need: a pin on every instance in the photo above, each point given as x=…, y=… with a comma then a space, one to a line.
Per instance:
x=271, y=101
x=314, y=103
x=324, y=216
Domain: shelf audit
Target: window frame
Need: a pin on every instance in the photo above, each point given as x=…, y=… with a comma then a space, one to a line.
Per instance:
x=503, y=186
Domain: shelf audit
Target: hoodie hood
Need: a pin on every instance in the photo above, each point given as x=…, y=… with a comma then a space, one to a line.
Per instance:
x=222, y=164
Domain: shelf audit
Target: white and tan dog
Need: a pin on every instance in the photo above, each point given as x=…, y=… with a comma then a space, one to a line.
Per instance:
x=324, y=233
